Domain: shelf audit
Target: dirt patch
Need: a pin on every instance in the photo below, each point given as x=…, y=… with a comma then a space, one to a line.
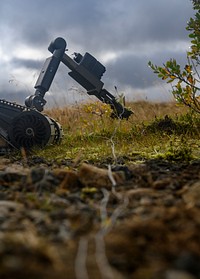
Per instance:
x=136, y=221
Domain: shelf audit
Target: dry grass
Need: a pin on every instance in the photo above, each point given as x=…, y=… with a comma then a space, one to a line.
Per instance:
x=145, y=111
x=75, y=117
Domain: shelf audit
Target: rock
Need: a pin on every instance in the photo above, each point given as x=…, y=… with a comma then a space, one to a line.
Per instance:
x=24, y=254
x=9, y=212
x=10, y=177
x=142, y=194
x=40, y=179
x=191, y=195
x=127, y=172
x=68, y=179
x=7, y=207
x=162, y=183
x=189, y=263
x=91, y=176
x=4, y=162
x=37, y=216
x=16, y=169
x=10, y=205
x=177, y=274
x=35, y=175
x=146, y=201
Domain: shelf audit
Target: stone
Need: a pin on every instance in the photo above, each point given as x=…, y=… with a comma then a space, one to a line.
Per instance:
x=191, y=196
x=92, y=176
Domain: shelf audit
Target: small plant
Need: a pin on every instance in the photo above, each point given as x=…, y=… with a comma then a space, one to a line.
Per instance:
x=178, y=150
x=185, y=124
x=163, y=125
x=97, y=108
x=185, y=82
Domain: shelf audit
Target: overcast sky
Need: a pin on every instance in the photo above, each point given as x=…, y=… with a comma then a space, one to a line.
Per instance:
x=122, y=34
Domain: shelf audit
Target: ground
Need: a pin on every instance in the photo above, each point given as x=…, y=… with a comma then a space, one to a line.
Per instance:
x=84, y=221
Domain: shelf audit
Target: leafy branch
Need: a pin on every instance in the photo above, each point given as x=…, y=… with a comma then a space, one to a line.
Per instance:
x=185, y=82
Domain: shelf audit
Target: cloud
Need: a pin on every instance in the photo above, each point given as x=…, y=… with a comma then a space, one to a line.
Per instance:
x=105, y=23
x=26, y=63
x=125, y=34
x=132, y=70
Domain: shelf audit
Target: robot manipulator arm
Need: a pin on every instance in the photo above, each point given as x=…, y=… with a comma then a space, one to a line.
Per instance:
x=43, y=84
x=46, y=76
x=85, y=70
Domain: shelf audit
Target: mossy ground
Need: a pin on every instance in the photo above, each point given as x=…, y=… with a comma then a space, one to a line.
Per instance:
x=133, y=215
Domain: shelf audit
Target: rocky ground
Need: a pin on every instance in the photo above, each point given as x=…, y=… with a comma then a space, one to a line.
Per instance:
x=65, y=221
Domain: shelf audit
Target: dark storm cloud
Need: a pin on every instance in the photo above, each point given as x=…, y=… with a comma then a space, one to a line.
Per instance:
x=96, y=24
x=26, y=63
x=133, y=70
x=130, y=28
x=34, y=22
